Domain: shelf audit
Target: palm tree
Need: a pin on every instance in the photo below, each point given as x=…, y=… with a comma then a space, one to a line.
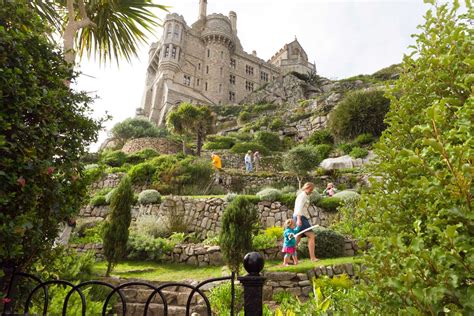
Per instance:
x=191, y=120
x=108, y=29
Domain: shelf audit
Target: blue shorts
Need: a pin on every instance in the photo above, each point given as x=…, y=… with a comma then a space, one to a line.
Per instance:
x=304, y=222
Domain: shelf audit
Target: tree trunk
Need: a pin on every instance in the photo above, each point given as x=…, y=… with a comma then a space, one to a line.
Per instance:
x=184, y=147
x=109, y=269
x=300, y=180
x=199, y=144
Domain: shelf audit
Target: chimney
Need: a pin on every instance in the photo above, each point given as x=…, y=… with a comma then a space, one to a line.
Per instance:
x=233, y=21
x=254, y=52
x=202, y=9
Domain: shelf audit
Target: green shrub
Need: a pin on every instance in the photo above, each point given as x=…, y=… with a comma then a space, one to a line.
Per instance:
x=347, y=195
x=142, y=247
x=269, y=140
x=114, y=158
x=142, y=173
x=364, y=139
x=329, y=204
x=219, y=142
x=235, y=238
x=288, y=189
x=241, y=136
x=269, y=194
x=329, y=244
x=91, y=166
x=253, y=199
x=300, y=160
x=240, y=148
x=88, y=235
x=212, y=239
x=149, y=197
x=243, y=117
x=359, y=112
x=220, y=298
x=358, y=152
x=136, y=128
x=346, y=148
x=97, y=200
x=108, y=196
x=123, y=169
x=314, y=197
x=264, y=241
x=288, y=199
x=274, y=231
x=276, y=124
x=142, y=155
x=319, y=137
x=151, y=225
x=230, y=196
x=93, y=174
x=323, y=150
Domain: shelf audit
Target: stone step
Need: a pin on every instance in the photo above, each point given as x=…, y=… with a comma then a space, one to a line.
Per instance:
x=137, y=309
x=172, y=297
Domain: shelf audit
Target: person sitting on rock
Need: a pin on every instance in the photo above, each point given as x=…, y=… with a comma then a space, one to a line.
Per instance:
x=330, y=190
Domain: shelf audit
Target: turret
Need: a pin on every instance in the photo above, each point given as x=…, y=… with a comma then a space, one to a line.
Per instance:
x=202, y=9
x=233, y=21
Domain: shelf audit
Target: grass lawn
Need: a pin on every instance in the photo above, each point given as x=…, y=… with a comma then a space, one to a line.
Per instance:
x=152, y=271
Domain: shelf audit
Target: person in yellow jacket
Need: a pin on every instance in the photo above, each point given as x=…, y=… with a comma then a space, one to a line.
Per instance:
x=217, y=163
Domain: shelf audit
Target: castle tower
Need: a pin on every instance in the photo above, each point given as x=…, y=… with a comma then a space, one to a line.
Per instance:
x=219, y=44
x=202, y=9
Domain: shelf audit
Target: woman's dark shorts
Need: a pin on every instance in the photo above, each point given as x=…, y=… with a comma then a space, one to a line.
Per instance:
x=304, y=223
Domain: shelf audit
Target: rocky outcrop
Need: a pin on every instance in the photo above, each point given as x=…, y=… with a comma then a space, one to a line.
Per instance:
x=346, y=162
x=161, y=145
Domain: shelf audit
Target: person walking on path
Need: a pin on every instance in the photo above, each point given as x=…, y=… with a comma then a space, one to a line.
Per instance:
x=301, y=217
x=289, y=242
x=248, y=161
x=256, y=161
x=217, y=164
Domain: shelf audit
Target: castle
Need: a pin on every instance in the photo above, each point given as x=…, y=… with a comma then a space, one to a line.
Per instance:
x=206, y=64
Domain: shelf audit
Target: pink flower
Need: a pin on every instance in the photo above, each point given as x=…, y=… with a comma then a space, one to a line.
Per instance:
x=6, y=300
x=21, y=181
x=50, y=170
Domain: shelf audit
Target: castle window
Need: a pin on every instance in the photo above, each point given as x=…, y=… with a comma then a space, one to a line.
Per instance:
x=221, y=71
x=207, y=69
x=167, y=51
x=198, y=81
x=168, y=30
x=199, y=66
x=173, y=52
x=176, y=30
x=232, y=79
x=208, y=53
x=187, y=80
x=249, y=70
x=205, y=86
x=264, y=76
x=248, y=86
x=231, y=96
x=220, y=87
x=232, y=63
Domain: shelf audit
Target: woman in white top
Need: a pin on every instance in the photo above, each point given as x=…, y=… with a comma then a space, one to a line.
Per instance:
x=301, y=216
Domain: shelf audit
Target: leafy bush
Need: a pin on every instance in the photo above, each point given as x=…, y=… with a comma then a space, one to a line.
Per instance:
x=268, y=140
x=212, y=239
x=136, y=128
x=288, y=199
x=235, y=237
x=114, y=158
x=288, y=189
x=220, y=298
x=346, y=147
x=219, y=142
x=275, y=231
x=329, y=244
x=358, y=152
x=347, y=195
x=108, y=196
x=142, y=247
x=319, y=137
x=323, y=150
x=230, y=196
x=241, y=136
x=149, y=197
x=151, y=225
x=263, y=241
x=98, y=200
x=93, y=174
x=142, y=173
x=269, y=194
x=142, y=155
x=314, y=197
x=276, y=124
x=91, y=234
x=359, y=112
x=243, y=117
x=329, y=204
x=241, y=148
x=364, y=139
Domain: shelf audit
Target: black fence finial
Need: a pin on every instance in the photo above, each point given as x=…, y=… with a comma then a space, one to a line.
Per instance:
x=253, y=284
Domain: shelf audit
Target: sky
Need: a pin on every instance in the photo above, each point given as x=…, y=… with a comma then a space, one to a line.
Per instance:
x=344, y=37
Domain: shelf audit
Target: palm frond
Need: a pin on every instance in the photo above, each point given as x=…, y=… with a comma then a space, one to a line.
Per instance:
x=120, y=26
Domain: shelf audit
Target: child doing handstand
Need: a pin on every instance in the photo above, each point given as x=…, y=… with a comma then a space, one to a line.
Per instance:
x=289, y=242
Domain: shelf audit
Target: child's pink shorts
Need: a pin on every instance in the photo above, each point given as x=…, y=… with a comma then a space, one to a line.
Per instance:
x=289, y=250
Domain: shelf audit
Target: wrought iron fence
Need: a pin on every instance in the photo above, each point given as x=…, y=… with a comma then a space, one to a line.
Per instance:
x=252, y=283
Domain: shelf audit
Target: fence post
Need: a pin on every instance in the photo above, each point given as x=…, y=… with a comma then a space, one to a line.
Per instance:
x=253, y=284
